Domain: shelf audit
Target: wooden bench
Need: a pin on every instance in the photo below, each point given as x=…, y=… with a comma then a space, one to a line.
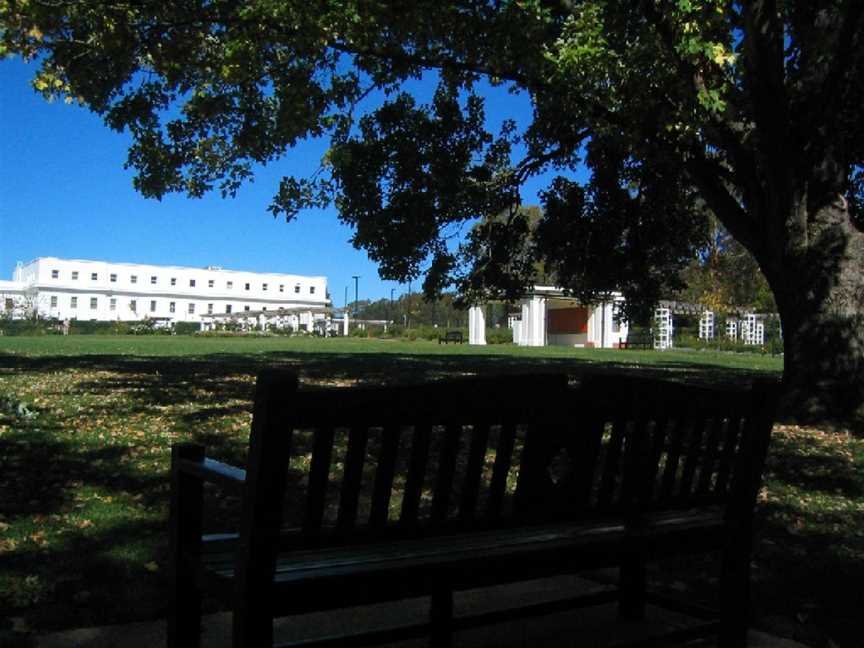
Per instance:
x=451, y=336
x=364, y=495
x=637, y=341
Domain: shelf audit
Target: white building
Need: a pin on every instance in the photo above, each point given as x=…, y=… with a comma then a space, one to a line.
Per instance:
x=549, y=317
x=102, y=291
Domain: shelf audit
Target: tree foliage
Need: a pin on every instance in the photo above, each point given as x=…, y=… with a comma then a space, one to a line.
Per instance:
x=747, y=110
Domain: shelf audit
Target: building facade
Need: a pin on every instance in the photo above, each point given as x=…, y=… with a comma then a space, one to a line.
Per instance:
x=101, y=291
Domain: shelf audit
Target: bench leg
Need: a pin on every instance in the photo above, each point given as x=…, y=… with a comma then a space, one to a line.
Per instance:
x=441, y=617
x=186, y=513
x=632, y=587
x=734, y=597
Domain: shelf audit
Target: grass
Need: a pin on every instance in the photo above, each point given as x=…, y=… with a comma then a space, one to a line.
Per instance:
x=86, y=424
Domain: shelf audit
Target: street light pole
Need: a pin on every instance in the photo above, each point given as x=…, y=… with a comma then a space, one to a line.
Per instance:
x=356, y=283
x=391, y=303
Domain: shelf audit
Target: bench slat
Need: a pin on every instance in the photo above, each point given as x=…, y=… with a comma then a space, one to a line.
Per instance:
x=384, y=476
x=659, y=433
x=319, y=471
x=474, y=470
x=446, y=472
x=673, y=457
x=500, y=469
x=350, y=493
x=694, y=454
x=733, y=430
x=611, y=466
x=709, y=459
x=587, y=450
x=416, y=474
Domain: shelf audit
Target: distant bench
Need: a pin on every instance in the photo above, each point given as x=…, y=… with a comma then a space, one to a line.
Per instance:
x=637, y=341
x=451, y=336
x=499, y=480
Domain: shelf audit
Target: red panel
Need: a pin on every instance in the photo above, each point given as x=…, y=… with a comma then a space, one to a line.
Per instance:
x=567, y=320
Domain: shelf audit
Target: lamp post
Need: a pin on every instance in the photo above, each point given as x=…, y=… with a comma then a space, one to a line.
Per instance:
x=356, y=283
x=391, y=303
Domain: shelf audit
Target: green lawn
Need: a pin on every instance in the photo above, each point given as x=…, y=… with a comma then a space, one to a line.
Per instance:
x=86, y=423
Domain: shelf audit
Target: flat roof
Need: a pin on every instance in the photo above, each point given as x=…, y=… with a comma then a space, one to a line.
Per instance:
x=211, y=268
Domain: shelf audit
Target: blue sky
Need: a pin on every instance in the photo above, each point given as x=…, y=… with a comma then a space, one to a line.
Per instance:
x=64, y=193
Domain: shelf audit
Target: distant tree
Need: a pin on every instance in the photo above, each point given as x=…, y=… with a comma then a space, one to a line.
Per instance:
x=750, y=110
x=724, y=276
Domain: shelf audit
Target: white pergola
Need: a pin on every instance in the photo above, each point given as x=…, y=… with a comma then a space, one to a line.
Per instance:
x=293, y=318
x=532, y=327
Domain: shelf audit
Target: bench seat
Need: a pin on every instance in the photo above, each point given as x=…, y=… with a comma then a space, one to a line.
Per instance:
x=406, y=567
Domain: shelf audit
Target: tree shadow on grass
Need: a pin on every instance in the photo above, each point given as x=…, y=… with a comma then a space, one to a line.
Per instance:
x=50, y=472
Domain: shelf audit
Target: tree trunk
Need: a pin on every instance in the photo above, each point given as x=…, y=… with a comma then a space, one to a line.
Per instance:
x=819, y=289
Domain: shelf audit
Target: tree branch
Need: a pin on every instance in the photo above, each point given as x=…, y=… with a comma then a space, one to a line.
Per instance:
x=706, y=175
x=432, y=61
x=763, y=47
x=830, y=94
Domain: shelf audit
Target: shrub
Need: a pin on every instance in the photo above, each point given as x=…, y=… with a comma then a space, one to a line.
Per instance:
x=186, y=328
x=499, y=336
x=28, y=326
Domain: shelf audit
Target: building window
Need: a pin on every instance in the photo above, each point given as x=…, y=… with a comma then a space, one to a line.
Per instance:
x=265, y=308
x=191, y=308
x=55, y=274
x=173, y=281
x=229, y=285
x=113, y=278
x=9, y=304
x=210, y=283
x=172, y=306
x=264, y=287
x=191, y=283
x=74, y=302
x=311, y=290
x=153, y=280
x=152, y=305
x=74, y=275
x=228, y=309
x=93, y=303
x=281, y=288
x=134, y=278
x=112, y=305
x=209, y=309
x=296, y=288
x=53, y=301
x=93, y=276
x=246, y=308
x=133, y=305
x=247, y=286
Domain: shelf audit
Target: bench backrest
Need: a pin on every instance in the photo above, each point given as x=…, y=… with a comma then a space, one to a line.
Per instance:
x=344, y=466
x=390, y=460
x=633, y=446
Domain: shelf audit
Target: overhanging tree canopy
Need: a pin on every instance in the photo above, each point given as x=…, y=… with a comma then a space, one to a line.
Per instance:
x=746, y=109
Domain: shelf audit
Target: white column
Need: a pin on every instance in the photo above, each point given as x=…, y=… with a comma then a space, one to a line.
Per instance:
x=477, y=325
x=524, y=326
x=345, y=324
x=536, y=321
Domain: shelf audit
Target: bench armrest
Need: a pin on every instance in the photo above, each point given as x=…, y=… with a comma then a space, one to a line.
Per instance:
x=214, y=471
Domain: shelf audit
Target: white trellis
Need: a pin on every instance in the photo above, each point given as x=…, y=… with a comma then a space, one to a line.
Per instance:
x=663, y=328
x=750, y=330
x=706, y=325
x=732, y=330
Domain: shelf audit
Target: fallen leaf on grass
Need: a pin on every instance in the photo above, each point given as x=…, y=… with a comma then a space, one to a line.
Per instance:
x=152, y=566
